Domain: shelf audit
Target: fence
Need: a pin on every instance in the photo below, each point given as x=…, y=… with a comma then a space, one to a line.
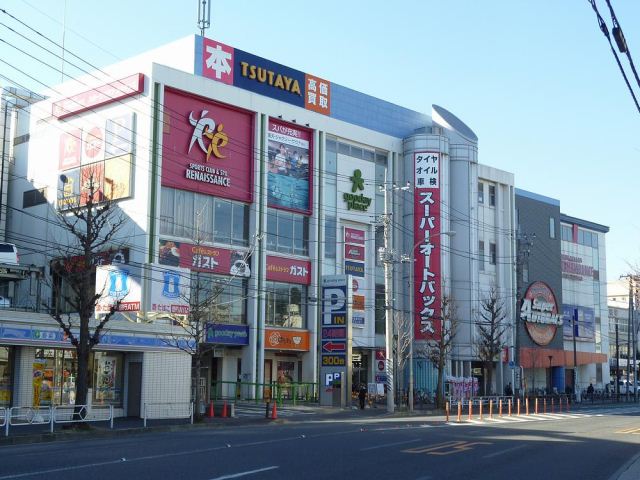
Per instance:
x=158, y=411
x=22, y=416
x=291, y=393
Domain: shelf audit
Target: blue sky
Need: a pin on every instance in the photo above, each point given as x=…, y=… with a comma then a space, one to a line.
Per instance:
x=535, y=80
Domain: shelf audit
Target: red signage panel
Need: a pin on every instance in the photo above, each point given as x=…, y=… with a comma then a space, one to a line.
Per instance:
x=354, y=252
x=207, y=147
x=288, y=270
x=427, y=225
x=201, y=258
x=353, y=235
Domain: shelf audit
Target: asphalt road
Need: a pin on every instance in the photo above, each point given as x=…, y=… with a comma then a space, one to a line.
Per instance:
x=587, y=445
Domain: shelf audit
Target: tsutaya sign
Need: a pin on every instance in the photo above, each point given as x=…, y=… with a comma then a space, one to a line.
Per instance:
x=540, y=312
x=427, y=224
x=232, y=66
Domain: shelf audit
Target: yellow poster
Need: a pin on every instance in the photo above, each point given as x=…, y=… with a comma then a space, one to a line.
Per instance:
x=38, y=376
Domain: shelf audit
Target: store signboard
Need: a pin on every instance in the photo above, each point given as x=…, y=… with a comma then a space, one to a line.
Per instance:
x=540, y=313
x=202, y=258
x=96, y=97
x=223, y=334
x=294, y=340
x=169, y=290
x=354, y=236
x=354, y=252
x=290, y=153
x=119, y=287
x=288, y=270
x=233, y=66
x=427, y=225
x=584, y=324
x=207, y=147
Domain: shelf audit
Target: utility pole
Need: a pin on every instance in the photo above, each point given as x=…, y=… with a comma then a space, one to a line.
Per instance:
x=575, y=355
x=629, y=327
x=617, y=365
x=386, y=255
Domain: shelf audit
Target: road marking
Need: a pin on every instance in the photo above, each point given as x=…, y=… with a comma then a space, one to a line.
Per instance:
x=61, y=469
x=389, y=445
x=244, y=474
x=502, y=452
x=634, y=430
x=446, y=448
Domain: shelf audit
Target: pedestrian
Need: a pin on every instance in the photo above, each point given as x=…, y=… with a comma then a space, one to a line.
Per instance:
x=590, y=392
x=508, y=391
x=362, y=396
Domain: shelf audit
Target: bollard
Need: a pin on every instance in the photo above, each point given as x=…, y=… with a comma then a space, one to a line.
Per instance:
x=459, y=411
x=544, y=405
x=526, y=405
x=552, y=409
x=536, y=406
x=500, y=407
x=491, y=409
x=212, y=412
x=274, y=412
x=446, y=408
x=567, y=405
x=470, y=409
x=518, y=406
x=509, y=406
x=480, y=409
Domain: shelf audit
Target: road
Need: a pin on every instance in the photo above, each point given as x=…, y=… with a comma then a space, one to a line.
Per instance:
x=586, y=445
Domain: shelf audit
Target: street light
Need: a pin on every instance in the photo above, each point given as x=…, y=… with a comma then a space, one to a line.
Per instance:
x=411, y=260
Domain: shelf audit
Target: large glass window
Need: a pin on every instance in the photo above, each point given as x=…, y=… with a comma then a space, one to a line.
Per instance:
x=203, y=218
x=567, y=233
x=6, y=376
x=222, y=299
x=330, y=237
x=380, y=310
x=480, y=192
x=55, y=373
x=492, y=195
x=552, y=227
x=481, y=255
x=286, y=304
x=492, y=254
x=287, y=232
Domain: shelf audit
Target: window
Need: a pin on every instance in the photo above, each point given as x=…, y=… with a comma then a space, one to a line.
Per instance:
x=566, y=233
x=224, y=298
x=380, y=310
x=6, y=376
x=492, y=195
x=287, y=232
x=492, y=253
x=203, y=218
x=480, y=192
x=481, y=255
x=552, y=227
x=31, y=198
x=286, y=305
x=379, y=243
x=330, y=237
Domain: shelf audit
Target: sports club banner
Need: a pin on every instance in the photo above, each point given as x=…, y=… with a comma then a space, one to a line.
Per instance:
x=427, y=225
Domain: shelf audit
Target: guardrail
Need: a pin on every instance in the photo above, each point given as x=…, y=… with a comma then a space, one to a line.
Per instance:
x=156, y=411
x=3, y=416
x=22, y=416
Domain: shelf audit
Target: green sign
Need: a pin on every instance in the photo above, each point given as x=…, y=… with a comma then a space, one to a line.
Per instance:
x=356, y=201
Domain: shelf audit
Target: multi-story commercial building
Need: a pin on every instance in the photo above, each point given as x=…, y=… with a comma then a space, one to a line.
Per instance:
x=261, y=182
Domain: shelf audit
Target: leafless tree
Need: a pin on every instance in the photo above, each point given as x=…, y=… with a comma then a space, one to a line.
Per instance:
x=438, y=350
x=491, y=328
x=92, y=222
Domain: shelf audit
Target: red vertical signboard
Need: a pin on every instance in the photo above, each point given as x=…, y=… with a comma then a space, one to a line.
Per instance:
x=427, y=274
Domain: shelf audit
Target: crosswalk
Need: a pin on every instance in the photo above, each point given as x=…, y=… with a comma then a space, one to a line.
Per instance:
x=259, y=410
x=541, y=417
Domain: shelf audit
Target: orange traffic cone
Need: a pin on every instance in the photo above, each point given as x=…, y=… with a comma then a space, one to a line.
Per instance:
x=274, y=412
x=211, y=411
x=224, y=410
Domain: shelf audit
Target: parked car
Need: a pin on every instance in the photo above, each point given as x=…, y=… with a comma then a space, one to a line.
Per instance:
x=5, y=302
x=9, y=254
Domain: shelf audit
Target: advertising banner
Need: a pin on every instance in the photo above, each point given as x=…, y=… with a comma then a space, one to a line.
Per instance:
x=354, y=236
x=540, y=313
x=288, y=270
x=207, y=147
x=170, y=289
x=70, y=149
x=222, y=334
x=290, y=165
x=585, y=325
x=202, y=258
x=118, y=283
x=427, y=225
x=276, y=339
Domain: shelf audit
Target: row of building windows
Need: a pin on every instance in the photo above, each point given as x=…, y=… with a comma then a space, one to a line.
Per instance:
x=589, y=239
x=493, y=254
x=492, y=194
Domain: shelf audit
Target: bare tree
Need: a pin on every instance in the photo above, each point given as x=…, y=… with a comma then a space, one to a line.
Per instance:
x=491, y=327
x=92, y=222
x=438, y=350
x=402, y=345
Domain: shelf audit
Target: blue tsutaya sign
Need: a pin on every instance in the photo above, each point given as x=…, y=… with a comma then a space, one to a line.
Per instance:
x=222, y=334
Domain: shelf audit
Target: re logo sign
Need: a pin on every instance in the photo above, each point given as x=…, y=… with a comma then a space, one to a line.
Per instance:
x=334, y=306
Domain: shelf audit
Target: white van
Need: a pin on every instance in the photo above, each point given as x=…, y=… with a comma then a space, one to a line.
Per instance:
x=8, y=254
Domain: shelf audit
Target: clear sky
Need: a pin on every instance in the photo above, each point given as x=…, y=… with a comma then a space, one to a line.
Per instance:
x=536, y=80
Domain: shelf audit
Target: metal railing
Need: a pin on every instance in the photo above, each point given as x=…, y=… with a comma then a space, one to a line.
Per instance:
x=289, y=393
x=22, y=416
x=157, y=411
x=82, y=414
x=3, y=416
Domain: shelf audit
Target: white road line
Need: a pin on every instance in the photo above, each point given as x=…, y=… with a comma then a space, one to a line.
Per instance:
x=502, y=452
x=389, y=445
x=244, y=474
x=61, y=469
